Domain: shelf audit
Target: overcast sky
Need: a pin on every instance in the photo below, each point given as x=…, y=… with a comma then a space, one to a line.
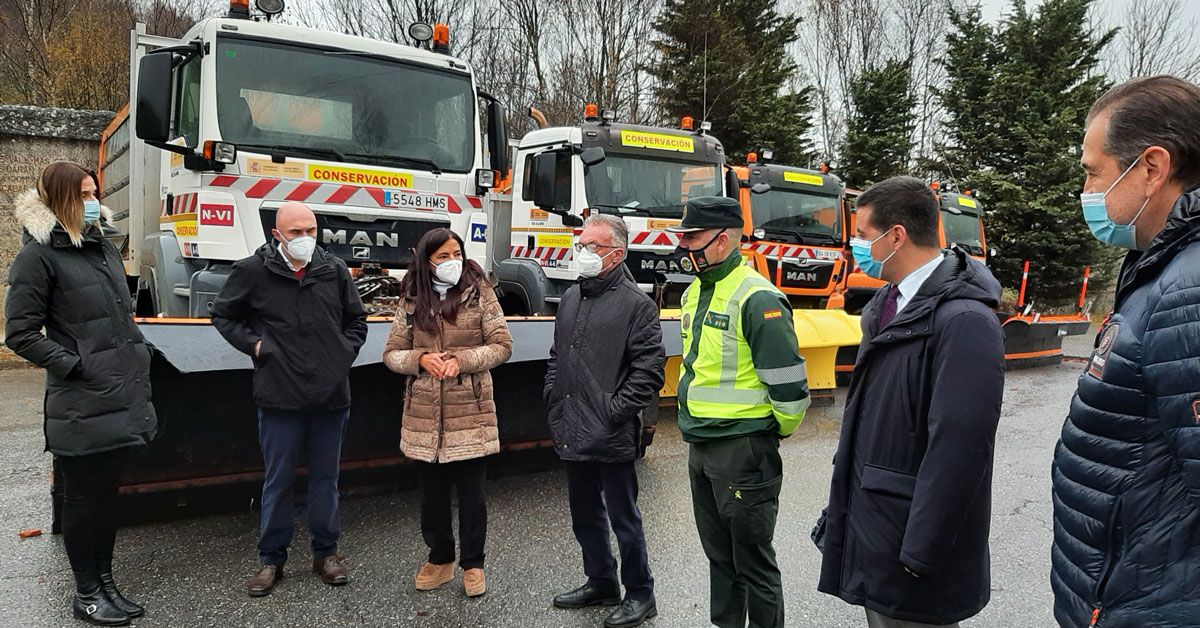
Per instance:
x=1114, y=9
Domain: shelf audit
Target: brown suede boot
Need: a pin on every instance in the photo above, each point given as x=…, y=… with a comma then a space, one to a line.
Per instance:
x=474, y=583
x=432, y=576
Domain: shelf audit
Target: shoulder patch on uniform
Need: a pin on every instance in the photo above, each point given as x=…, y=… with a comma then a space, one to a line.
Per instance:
x=1196, y=411
x=770, y=314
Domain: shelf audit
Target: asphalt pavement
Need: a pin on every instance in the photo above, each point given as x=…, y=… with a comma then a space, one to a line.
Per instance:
x=192, y=572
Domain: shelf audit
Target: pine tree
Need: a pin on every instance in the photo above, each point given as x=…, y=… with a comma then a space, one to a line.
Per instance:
x=744, y=45
x=1016, y=104
x=879, y=139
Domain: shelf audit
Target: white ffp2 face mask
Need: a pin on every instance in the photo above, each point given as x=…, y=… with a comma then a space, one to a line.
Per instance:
x=589, y=264
x=302, y=248
x=449, y=271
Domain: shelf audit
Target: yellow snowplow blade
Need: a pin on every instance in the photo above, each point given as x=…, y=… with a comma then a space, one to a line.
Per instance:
x=819, y=334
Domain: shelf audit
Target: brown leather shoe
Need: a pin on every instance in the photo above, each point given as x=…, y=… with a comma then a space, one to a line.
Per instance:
x=474, y=583
x=432, y=576
x=265, y=580
x=332, y=571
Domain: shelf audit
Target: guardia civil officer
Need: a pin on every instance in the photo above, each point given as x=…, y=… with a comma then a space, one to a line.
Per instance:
x=742, y=387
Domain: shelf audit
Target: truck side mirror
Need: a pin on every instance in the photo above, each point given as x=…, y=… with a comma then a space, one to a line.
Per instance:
x=760, y=188
x=544, y=184
x=497, y=136
x=592, y=156
x=733, y=185
x=153, y=122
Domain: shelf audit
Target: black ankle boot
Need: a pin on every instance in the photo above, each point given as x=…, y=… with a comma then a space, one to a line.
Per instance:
x=92, y=605
x=110, y=589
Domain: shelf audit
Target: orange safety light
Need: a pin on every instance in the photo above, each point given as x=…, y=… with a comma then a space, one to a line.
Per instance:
x=751, y=158
x=441, y=37
x=967, y=192
x=591, y=111
x=824, y=168
x=935, y=185
x=686, y=124
x=239, y=8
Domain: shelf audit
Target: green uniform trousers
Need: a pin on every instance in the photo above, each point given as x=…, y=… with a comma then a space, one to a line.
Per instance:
x=735, y=496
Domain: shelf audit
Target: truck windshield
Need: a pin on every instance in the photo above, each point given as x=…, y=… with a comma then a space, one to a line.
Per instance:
x=810, y=217
x=637, y=186
x=963, y=230
x=344, y=105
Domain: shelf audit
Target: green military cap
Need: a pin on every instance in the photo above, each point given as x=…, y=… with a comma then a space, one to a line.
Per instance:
x=710, y=212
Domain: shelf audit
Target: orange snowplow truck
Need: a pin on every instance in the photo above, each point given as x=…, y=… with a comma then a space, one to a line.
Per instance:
x=960, y=225
x=795, y=230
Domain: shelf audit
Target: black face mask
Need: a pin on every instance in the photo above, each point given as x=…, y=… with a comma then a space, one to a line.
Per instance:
x=693, y=261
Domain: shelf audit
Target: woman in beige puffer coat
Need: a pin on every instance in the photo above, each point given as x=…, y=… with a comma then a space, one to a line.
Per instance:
x=449, y=332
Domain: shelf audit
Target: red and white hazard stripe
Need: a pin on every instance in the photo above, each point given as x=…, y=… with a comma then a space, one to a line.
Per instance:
x=273, y=189
x=654, y=238
x=544, y=253
x=791, y=251
x=182, y=204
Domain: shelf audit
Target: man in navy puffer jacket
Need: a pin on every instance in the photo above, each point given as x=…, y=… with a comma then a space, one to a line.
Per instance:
x=1127, y=469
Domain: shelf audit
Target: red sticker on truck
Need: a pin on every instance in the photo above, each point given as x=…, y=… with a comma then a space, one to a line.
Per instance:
x=216, y=215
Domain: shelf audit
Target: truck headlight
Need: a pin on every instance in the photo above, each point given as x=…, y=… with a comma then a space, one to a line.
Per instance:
x=220, y=152
x=485, y=178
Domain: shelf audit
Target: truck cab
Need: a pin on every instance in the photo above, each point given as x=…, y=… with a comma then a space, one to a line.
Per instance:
x=796, y=230
x=381, y=140
x=561, y=175
x=962, y=223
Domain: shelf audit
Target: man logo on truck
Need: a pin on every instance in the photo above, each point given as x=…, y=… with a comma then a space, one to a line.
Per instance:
x=793, y=275
x=360, y=238
x=661, y=265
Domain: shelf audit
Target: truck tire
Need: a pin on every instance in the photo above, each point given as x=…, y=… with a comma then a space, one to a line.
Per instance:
x=526, y=288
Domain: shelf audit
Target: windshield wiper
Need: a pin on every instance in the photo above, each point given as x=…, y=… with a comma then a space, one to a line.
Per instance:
x=306, y=150
x=628, y=210
x=622, y=210
x=802, y=236
x=396, y=159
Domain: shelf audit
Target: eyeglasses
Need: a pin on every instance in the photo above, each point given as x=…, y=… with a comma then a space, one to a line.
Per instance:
x=593, y=247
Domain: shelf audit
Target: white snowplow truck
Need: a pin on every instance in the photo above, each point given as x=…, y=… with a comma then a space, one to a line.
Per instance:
x=383, y=141
x=561, y=175
x=239, y=116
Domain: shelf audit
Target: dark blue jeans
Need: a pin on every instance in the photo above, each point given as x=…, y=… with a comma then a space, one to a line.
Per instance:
x=284, y=436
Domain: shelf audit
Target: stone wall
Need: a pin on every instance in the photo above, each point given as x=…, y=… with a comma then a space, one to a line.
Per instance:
x=30, y=138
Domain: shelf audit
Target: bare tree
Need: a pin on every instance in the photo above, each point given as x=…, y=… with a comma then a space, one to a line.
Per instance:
x=64, y=53
x=173, y=18
x=1157, y=37
x=842, y=38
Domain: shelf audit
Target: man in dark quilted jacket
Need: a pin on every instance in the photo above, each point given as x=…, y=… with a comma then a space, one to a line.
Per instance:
x=1126, y=472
